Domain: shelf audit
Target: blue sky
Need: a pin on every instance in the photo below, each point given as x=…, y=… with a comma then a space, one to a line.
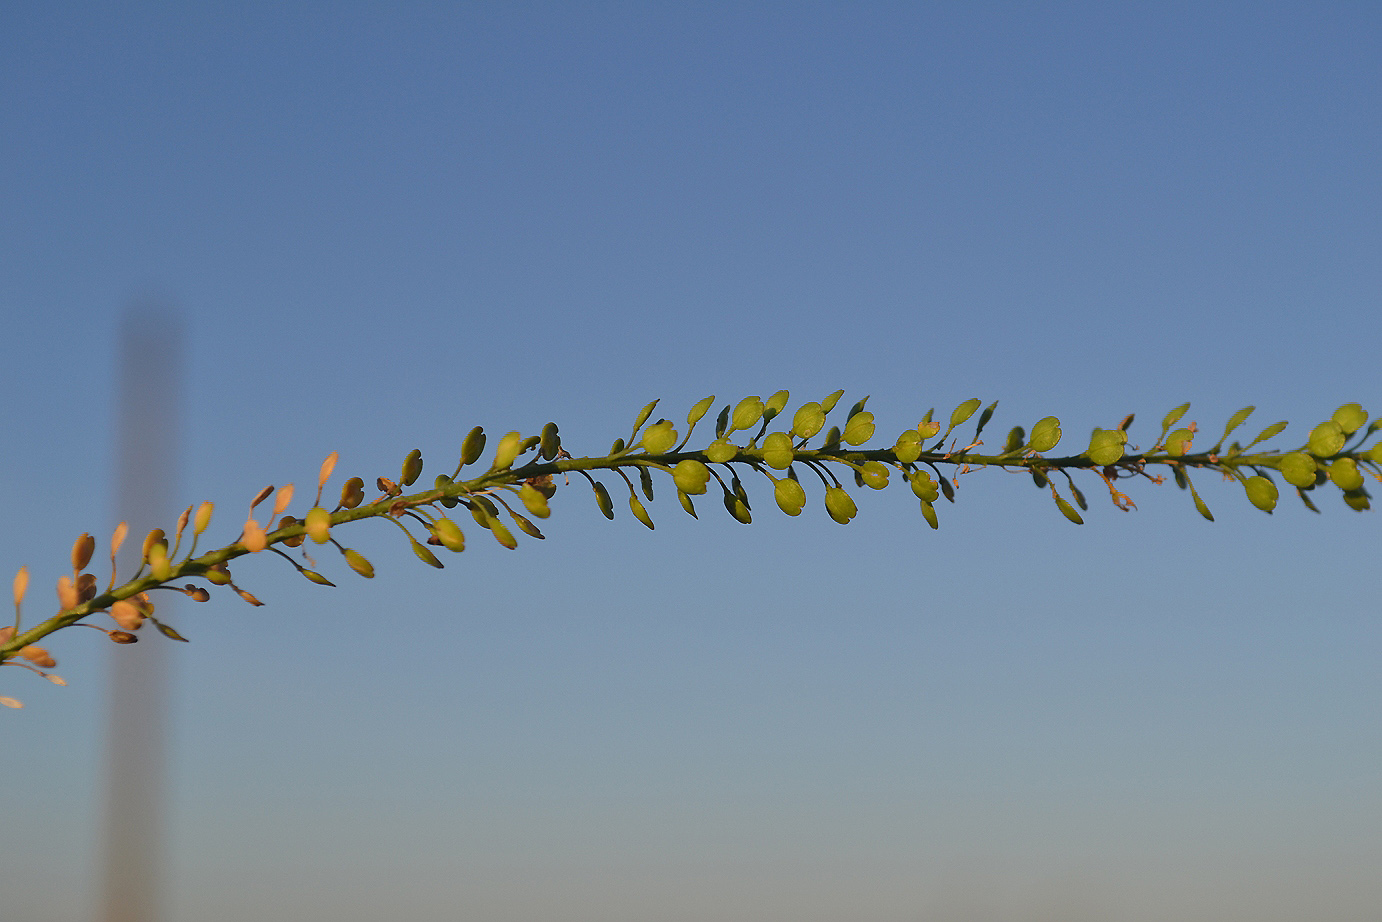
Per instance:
x=383, y=226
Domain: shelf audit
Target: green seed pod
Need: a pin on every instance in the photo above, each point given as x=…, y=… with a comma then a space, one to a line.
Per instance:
x=928, y=511
x=964, y=411
x=155, y=537
x=82, y=549
x=534, y=501
x=645, y=480
x=1182, y=480
x=738, y=508
x=1079, y=498
x=691, y=476
x=602, y=500
x=442, y=482
x=687, y=504
x=1350, y=418
x=639, y=512
x=473, y=446
x=875, y=474
x=502, y=534
x=774, y=404
x=359, y=564
x=1236, y=420
x=777, y=451
x=1262, y=493
x=218, y=575
x=1106, y=446
x=908, y=446
x=1045, y=434
x=947, y=490
x=832, y=439
x=840, y=505
x=352, y=493
x=747, y=414
x=449, y=534
x=643, y=416
x=828, y=403
x=659, y=438
x=528, y=527
x=1178, y=443
x=1326, y=439
x=425, y=555
x=1344, y=473
x=1199, y=505
x=859, y=429
x=159, y=564
x=551, y=442
x=412, y=468
x=789, y=495
x=479, y=513
x=316, y=577
x=1174, y=416
x=318, y=523
x=721, y=450
x=531, y=442
x=1298, y=469
x=809, y=419
x=1069, y=510
x=507, y=451
x=1017, y=437
x=722, y=423
x=923, y=486
x=1375, y=453
x=1357, y=500
x=700, y=409
x=616, y=448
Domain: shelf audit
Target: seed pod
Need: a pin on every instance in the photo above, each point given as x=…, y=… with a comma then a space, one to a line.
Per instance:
x=82, y=550
x=721, y=450
x=316, y=577
x=21, y=585
x=947, y=490
x=502, y=534
x=828, y=403
x=86, y=587
x=1045, y=434
x=412, y=468
x=425, y=555
x=67, y=593
x=875, y=474
x=123, y=637
x=738, y=508
x=1178, y=443
x=923, y=486
x=289, y=521
x=1344, y=473
x=1298, y=469
x=643, y=416
x=1106, y=446
x=747, y=414
x=1357, y=500
x=248, y=597
x=155, y=537
x=809, y=419
x=928, y=512
x=659, y=438
x=254, y=538
x=700, y=409
x=777, y=451
x=327, y=467
x=1068, y=509
x=908, y=446
x=534, y=501
x=774, y=404
x=318, y=524
x=1039, y=479
x=528, y=527
x=832, y=439
x=352, y=493
x=551, y=442
x=603, y=501
x=281, y=501
x=840, y=505
x=927, y=429
x=506, y=451
x=789, y=495
x=449, y=534
x=203, y=518
x=691, y=476
x=473, y=446
x=196, y=593
x=168, y=632
x=1350, y=418
x=218, y=574
x=687, y=504
x=964, y=411
x=38, y=656
x=1262, y=493
x=261, y=496
x=357, y=562
x=1326, y=439
x=531, y=442
x=639, y=512
x=117, y=538
x=617, y=447
x=859, y=429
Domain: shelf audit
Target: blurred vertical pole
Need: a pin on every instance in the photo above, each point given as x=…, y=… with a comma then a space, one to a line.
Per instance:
x=148, y=369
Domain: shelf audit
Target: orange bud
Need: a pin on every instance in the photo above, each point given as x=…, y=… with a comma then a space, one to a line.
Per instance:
x=56, y=679
x=6, y=634
x=248, y=597
x=126, y=614
x=328, y=466
x=21, y=584
x=38, y=656
x=254, y=538
x=285, y=496
x=82, y=551
x=183, y=519
x=118, y=538
x=67, y=593
x=203, y=518
x=10, y=702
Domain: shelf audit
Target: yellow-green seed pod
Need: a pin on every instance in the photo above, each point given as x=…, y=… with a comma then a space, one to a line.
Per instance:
x=155, y=537
x=1178, y=443
x=1045, y=434
x=473, y=446
x=352, y=493
x=874, y=475
x=908, y=446
x=840, y=505
x=700, y=409
x=659, y=438
x=927, y=429
x=1344, y=472
x=318, y=523
x=809, y=420
x=964, y=411
x=1298, y=469
x=643, y=415
x=1200, y=506
x=616, y=448
x=603, y=501
x=1326, y=439
x=449, y=533
x=502, y=534
x=721, y=450
x=691, y=476
x=425, y=555
x=791, y=498
x=928, y=512
x=507, y=451
x=412, y=468
x=357, y=562
x=82, y=549
x=738, y=508
x=551, y=442
x=828, y=403
x=1017, y=437
x=777, y=451
x=1350, y=418
x=832, y=439
x=774, y=404
x=534, y=501
x=159, y=564
x=1106, y=446
x=1357, y=500
x=528, y=527
x=639, y=512
x=747, y=414
x=203, y=519
x=316, y=577
x=924, y=487
x=1174, y=416
x=1262, y=493
x=686, y=504
x=1068, y=510
x=1375, y=453
x=219, y=574
x=859, y=429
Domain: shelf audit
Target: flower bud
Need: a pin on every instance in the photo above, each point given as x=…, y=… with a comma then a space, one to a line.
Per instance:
x=126, y=614
x=38, y=656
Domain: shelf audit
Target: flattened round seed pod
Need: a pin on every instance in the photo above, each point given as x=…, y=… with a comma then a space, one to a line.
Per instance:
x=700, y=409
x=1326, y=439
x=924, y=487
x=1262, y=493
x=964, y=411
x=1045, y=434
x=551, y=442
x=502, y=534
x=874, y=475
x=603, y=501
x=67, y=593
x=352, y=493
x=412, y=468
x=449, y=533
x=928, y=511
x=357, y=562
x=1344, y=472
x=38, y=656
x=1069, y=511
x=1298, y=469
x=1178, y=443
x=534, y=501
x=774, y=404
x=126, y=614
x=318, y=524
x=736, y=507
x=777, y=451
x=1017, y=437
x=721, y=450
x=507, y=451
x=659, y=438
x=691, y=476
x=746, y=414
x=908, y=446
x=1106, y=446
x=473, y=446
x=809, y=420
x=1350, y=418
x=789, y=495
x=1357, y=500
x=840, y=505
x=859, y=429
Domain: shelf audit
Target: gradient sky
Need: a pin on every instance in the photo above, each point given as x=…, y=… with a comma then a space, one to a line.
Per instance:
x=383, y=225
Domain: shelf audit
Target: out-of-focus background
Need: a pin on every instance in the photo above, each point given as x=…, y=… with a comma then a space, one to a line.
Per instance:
x=383, y=225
